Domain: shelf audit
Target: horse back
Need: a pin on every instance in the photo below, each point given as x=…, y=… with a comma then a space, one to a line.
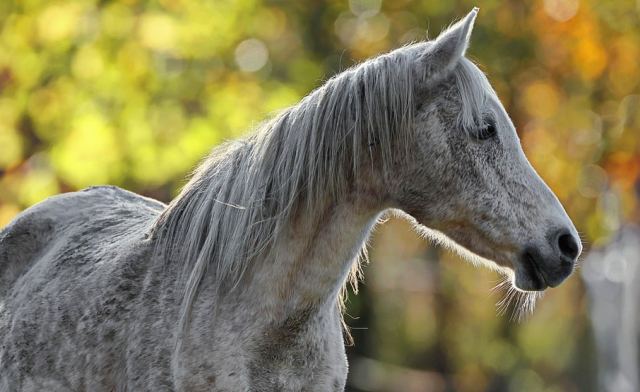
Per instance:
x=69, y=216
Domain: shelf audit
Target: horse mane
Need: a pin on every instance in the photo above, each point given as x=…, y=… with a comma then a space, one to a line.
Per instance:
x=246, y=191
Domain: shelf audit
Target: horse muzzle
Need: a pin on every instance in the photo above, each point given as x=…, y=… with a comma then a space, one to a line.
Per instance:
x=540, y=267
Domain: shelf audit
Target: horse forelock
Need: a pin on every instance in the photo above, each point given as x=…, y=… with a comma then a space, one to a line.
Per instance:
x=474, y=90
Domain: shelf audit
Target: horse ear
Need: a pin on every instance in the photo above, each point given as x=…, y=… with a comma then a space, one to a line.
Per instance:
x=443, y=54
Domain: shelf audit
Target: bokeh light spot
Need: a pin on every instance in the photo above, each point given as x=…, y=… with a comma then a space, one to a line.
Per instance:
x=157, y=31
x=90, y=153
x=561, y=10
x=58, y=22
x=251, y=55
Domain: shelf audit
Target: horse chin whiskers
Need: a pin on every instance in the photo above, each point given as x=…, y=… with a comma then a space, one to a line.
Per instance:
x=516, y=303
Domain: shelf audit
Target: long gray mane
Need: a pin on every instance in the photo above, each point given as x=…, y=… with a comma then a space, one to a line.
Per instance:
x=245, y=192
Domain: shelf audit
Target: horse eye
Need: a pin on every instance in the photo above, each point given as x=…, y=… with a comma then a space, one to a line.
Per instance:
x=487, y=131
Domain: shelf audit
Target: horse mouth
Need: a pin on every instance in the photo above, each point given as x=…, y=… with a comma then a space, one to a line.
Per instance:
x=533, y=271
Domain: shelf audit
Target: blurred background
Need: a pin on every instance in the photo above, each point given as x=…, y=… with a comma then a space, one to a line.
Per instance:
x=134, y=93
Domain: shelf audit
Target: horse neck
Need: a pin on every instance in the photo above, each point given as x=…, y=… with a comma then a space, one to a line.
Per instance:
x=311, y=259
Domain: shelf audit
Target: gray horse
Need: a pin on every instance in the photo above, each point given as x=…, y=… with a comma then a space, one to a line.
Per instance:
x=236, y=284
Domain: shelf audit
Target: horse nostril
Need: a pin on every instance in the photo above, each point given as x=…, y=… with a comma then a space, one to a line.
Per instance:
x=568, y=246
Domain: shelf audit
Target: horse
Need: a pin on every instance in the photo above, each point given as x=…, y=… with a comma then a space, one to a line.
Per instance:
x=236, y=284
